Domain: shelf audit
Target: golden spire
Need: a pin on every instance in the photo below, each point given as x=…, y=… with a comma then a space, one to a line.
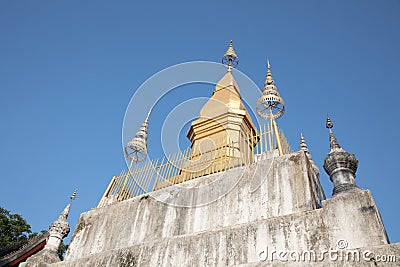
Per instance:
x=136, y=149
x=304, y=147
x=230, y=59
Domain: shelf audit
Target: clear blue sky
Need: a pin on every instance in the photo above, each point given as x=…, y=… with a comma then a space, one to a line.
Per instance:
x=69, y=68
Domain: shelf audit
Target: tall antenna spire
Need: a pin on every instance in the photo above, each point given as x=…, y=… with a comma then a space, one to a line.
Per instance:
x=136, y=149
x=230, y=59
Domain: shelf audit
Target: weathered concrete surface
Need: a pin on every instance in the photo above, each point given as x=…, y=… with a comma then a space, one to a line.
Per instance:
x=385, y=255
x=239, y=244
x=354, y=217
x=271, y=188
x=273, y=206
x=39, y=259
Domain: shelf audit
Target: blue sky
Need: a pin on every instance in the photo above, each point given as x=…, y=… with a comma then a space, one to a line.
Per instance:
x=69, y=69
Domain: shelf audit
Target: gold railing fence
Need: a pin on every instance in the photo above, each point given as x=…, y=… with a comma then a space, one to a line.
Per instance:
x=185, y=165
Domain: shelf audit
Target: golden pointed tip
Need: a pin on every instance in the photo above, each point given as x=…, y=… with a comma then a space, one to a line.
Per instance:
x=268, y=64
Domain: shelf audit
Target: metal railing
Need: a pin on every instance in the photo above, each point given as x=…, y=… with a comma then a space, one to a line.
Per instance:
x=187, y=165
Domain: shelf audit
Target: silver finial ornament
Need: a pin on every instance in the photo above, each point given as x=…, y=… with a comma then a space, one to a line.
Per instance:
x=270, y=105
x=340, y=165
x=304, y=147
x=136, y=149
x=73, y=196
x=230, y=59
x=329, y=123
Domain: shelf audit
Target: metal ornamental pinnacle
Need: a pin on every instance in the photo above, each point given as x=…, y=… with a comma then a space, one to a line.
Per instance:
x=270, y=104
x=230, y=59
x=136, y=149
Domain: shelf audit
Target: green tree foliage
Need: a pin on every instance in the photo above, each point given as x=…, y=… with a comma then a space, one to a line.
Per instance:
x=13, y=229
x=61, y=250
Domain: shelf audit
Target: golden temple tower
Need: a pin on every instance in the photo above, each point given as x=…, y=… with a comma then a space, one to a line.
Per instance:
x=222, y=137
x=224, y=132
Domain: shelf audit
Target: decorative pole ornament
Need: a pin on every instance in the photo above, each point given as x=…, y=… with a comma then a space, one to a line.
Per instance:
x=59, y=229
x=230, y=59
x=329, y=123
x=340, y=165
x=304, y=147
x=270, y=104
x=136, y=149
x=334, y=145
x=73, y=196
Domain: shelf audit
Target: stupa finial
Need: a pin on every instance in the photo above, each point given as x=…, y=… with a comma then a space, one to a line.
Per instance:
x=59, y=228
x=268, y=78
x=136, y=149
x=270, y=104
x=334, y=145
x=304, y=147
x=340, y=165
x=148, y=115
x=73, y=196
x=329, y=123
x=230, y=59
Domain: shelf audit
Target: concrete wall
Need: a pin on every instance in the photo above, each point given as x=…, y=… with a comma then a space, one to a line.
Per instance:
x=240, y=244
x=270, y=188
x=227, y=220
x=144, y=256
